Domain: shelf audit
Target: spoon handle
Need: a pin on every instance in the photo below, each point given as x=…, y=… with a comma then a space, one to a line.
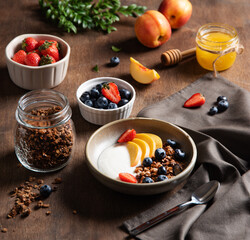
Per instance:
x=159, y=218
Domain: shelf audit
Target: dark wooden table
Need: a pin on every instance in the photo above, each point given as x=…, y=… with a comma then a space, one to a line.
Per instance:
x=100, y=211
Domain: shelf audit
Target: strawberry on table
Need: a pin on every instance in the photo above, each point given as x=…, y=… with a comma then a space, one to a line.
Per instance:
x=128, y=135
x=49, y=48
x=29, y=44
x=32, y=59
x=20, y=57
x=46, y=60
x=127, y=177
x=196, y=100
x=111, y=92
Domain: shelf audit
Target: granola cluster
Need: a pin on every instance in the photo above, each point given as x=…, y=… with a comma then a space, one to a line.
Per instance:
x=48, y=147
x=172, y=166
x=28, y=194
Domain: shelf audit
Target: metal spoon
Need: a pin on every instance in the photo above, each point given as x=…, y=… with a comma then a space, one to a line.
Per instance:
x=201, y=195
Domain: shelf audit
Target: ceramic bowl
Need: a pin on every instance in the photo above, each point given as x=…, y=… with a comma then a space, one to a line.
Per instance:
x=108, y=134
x=29, y=77
x=103, y=116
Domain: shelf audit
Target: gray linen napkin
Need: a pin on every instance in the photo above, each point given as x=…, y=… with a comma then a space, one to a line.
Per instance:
x=223, y=144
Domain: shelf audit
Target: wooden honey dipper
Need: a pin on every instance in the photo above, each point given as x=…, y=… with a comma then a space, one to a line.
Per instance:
x=174, y=56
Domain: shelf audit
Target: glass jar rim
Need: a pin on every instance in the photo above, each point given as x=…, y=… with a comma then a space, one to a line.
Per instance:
x=217, y=27
x=60, y=117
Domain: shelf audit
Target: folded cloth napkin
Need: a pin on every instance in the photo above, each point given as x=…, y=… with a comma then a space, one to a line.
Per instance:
x=223, y=144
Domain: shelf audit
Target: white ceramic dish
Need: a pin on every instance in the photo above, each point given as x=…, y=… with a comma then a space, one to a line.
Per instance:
x=108, y=134
x=103, y=116
x=29, y=77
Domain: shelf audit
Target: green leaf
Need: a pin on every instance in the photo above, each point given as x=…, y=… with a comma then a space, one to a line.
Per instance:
x=95, y=68
x=99, y=15
x=116, y=49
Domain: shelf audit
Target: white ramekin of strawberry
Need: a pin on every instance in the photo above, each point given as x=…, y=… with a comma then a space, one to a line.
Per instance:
x=102, y=100
x=37, y=61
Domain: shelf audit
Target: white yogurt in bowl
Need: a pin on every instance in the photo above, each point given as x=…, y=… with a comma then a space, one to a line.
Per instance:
x=114, y=160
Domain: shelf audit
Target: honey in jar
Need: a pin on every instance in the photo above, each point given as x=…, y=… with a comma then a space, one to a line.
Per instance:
x=216, y=46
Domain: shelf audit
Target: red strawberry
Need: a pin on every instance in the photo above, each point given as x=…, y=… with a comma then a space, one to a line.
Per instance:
x=20, y=57
x=111, y=92
x=127, y=177
x=195, y=100
x=128, y=135
x=32, y=59
x=35, y=51
x=41, y=42
x=49, y=48
x=29, y=44
x=46, y=60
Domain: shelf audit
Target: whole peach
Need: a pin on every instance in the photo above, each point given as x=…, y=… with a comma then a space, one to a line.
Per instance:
x=178, y=12
x=152, y=29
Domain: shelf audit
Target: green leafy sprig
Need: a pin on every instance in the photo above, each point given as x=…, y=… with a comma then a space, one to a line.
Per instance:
x=72, y=15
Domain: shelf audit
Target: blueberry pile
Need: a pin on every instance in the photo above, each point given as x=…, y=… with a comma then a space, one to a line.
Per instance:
x=94, y=98
x=221, y=106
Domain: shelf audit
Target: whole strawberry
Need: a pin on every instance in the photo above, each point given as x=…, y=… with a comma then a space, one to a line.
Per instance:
x=29, y=44
x=41, y=42
x=35, y=51
x=46, y=60
x=20, y=56
x=32, y=59
x=49, y=48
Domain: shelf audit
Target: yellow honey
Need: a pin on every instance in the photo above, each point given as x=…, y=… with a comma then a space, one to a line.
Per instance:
x=216, y=43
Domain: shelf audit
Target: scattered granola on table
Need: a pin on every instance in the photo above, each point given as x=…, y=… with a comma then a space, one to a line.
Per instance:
x=25, y=195
x=4, y=230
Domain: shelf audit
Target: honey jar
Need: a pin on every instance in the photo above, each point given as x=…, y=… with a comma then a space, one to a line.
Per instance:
x=217, y=46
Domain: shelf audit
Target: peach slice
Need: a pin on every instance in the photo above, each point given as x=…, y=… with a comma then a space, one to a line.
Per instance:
x=142, y=74
x=135, y=153
x=151, y=142
x=157, y=140
x=144, y=147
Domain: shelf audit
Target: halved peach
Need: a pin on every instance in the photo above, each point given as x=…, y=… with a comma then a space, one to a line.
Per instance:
x=157, y=140
x=142, y=74
x=151, y=142
x=144, y=147
x=135, y=153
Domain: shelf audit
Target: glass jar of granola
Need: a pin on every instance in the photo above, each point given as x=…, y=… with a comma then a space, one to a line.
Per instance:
x=44, y=134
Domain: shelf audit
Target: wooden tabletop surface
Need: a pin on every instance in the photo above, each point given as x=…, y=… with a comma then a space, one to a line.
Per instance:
x=99, y=211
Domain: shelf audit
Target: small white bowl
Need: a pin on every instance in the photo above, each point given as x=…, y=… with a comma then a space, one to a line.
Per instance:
x=107, y=136
x=29, y=77
x=103, y=116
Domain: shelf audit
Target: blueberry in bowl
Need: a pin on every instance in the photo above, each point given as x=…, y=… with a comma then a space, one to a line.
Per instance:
x=105, y=99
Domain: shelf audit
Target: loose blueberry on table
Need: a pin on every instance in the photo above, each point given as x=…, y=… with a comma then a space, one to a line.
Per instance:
x=114, y=61
x=106, y=95
x=223, y=105
x=213, y=110
x=45, y=191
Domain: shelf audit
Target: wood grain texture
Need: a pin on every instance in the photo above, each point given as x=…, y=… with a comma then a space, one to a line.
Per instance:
x=100, y=211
